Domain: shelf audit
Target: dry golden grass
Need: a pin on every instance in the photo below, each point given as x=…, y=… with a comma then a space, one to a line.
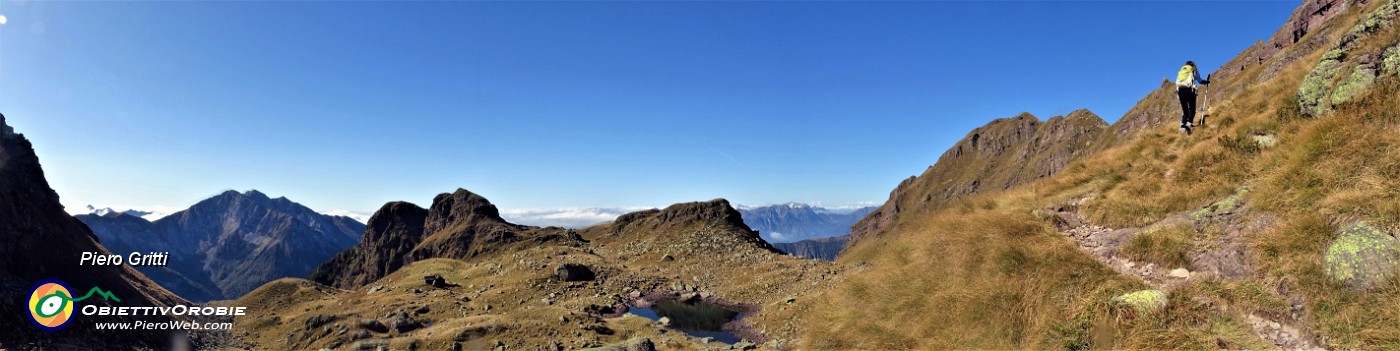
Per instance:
x=985, y=274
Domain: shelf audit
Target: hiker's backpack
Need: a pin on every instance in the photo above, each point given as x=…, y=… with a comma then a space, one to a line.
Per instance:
x=1186, y=77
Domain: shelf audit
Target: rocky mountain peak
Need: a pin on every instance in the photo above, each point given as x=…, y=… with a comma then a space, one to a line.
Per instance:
x=460, y=206
x=396, y=215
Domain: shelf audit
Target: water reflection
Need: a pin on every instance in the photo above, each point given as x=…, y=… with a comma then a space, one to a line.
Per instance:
x=696, y=318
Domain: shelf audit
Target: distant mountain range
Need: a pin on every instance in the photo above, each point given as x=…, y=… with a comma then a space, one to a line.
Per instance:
x=819, y=248
x=793, y=221
x=229, y=244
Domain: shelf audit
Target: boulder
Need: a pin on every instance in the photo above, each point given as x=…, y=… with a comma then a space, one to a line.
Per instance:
x=436, y=281
x=572, y=272
x=403, y=322
x=1362, y=256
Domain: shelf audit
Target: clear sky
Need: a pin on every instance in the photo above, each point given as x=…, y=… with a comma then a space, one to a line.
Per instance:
x=347, y=105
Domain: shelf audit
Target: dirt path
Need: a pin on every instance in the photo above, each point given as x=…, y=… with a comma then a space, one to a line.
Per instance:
x=1104, y=243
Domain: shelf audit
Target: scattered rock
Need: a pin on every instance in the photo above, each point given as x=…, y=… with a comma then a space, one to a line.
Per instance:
x=369, y=345
x=664, y=321
x=374, y=325
x=316, y=321
x=744, y=345
x=634, y=344
x=1180, y=273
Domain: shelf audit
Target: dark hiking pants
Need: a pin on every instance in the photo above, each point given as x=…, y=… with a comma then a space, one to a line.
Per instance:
x=1188, y=104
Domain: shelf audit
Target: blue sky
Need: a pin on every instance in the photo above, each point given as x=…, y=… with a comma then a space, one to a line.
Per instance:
x=347, y=105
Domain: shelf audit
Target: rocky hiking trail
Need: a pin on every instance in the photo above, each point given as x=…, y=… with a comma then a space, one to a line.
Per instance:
x=1219, y=257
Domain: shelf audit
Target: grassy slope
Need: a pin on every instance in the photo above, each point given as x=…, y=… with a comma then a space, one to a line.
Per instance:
x=983, y=273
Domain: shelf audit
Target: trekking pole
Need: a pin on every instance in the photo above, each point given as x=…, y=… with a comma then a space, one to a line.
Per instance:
x=1205, y=105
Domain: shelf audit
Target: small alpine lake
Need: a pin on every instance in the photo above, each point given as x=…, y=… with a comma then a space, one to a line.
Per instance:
x=695, y=318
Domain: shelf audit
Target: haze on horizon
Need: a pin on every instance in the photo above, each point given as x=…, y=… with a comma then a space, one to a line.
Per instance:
x=345, y=106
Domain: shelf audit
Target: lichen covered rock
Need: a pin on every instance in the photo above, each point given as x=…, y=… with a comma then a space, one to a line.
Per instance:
x=1390, y=63
x=1225, y=206
x=1144, y=301
x=1362, y=256
x=1348, y=69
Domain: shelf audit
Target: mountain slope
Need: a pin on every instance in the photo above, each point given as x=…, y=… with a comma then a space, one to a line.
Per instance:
x=38, y=240
x=997, y=156
x=1248, y=231
x=794, y=221
x=227, y=245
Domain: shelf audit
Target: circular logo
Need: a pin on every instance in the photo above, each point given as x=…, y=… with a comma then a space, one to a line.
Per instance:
x=50, y=304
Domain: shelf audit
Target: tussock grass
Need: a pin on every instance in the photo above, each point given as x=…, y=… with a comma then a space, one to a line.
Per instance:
x=1166, y=246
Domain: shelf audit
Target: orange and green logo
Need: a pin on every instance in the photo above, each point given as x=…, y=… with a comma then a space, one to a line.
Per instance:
x=51, y=303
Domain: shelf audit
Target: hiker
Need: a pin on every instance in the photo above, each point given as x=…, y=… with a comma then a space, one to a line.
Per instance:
x=1186, y=80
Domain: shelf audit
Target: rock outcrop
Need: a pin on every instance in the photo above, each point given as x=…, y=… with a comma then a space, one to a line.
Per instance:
x=38, y=241
x=231, y=243
x=716, y=218
x=1004, y=153
x=458, y=225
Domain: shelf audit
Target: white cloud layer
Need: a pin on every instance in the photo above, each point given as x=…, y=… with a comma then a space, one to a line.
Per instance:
x=566, y=217
x=150, y=213
x=362, y=217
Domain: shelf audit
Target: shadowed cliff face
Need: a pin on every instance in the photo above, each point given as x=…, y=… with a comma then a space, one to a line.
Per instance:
x=1004, y=153
x=38, y=240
